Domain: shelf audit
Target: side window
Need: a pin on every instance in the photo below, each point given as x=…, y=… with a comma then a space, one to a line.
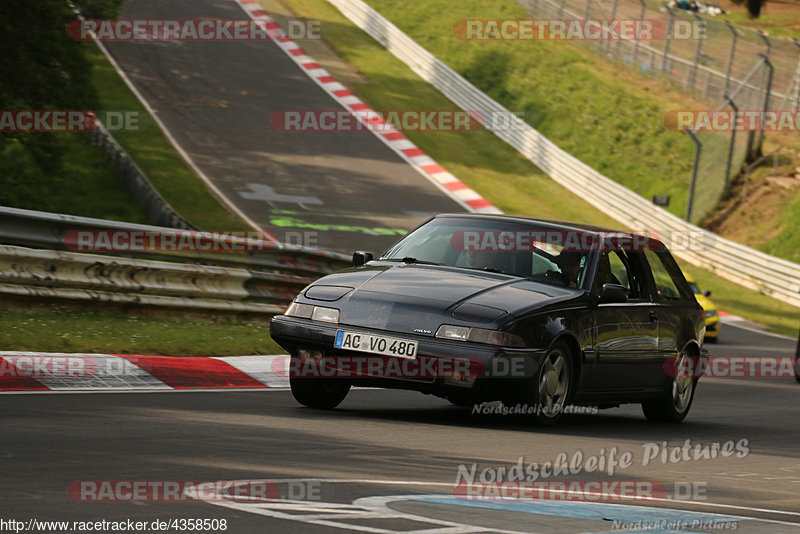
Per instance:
x=668, y=286
x=619, y=272
x=616, y=268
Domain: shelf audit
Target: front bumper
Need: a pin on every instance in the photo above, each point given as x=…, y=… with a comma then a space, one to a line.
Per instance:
x=712, y=327
x=444, y=366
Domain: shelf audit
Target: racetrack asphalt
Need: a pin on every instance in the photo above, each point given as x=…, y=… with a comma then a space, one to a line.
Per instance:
x=216, y=98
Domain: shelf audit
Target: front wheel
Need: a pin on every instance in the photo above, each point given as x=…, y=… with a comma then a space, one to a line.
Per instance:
x=320, y=393
x=553, y=385
x=674, y=406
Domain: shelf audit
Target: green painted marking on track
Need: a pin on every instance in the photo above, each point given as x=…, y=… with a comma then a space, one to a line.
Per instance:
x=284, y=222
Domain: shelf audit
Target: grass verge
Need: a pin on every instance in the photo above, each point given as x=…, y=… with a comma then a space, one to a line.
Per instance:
x=75, y=328
x=479, y=159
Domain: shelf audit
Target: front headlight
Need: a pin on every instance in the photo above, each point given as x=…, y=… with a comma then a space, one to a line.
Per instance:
x=315, y=313
x=479, y=335
x=710, y=313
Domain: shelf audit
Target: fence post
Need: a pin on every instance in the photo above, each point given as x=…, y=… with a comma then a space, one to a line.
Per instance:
x=693, y=76
x=588, y=8
x=561, y=9
x=766, y=42
x=730, y=150
x=636, y=46
x=613, y=16
x=732, y=28
x=768, y=90
x=670, y=28
x=796, y=80
x=797, y=359
x=699, y=148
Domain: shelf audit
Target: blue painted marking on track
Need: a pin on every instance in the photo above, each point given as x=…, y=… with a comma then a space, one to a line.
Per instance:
x=625, y=513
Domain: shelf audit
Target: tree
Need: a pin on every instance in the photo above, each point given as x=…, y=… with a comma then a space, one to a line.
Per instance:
x=42, y=68
x=754, y=8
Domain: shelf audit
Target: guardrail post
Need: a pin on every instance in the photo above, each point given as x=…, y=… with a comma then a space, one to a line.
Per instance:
x=730, y=150
x=735, y=35
x=670, y=28
x=699, y=148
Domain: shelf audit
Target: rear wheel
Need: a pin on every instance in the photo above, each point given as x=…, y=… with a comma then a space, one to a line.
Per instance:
x=674, y=406
x=321, y=393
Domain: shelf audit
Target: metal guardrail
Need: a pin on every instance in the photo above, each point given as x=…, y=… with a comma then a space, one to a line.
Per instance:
x=74, y=276
x=40, y=229
x=252, y=282
x=750, y=268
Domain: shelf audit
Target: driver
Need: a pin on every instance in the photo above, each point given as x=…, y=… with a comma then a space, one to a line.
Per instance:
x=569, y=261
x=479, y=259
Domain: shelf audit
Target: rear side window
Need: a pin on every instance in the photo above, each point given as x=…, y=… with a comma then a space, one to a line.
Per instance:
x=670, y=283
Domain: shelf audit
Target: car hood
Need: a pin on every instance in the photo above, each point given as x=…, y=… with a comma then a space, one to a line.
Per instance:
x=418, y=298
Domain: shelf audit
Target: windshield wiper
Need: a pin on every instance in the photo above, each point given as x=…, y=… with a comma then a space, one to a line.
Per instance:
x=409, y=259
x=495, y=270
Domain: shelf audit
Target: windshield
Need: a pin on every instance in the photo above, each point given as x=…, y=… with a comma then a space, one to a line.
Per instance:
x=527, y=250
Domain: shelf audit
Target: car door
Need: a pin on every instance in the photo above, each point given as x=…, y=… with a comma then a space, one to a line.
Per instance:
x=673, y=299
x=625, y=334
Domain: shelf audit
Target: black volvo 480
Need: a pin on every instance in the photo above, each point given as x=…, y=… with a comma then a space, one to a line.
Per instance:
x=478, y=308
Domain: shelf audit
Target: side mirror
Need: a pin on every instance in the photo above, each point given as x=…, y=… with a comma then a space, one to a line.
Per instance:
x=707, y=293
x=613, y=293
x=360, y=258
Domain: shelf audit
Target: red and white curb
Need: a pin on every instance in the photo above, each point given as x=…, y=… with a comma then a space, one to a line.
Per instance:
x=393, y=138
x=40, y=371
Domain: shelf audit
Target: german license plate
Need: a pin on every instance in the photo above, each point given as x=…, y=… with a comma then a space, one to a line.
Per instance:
x=385, y=345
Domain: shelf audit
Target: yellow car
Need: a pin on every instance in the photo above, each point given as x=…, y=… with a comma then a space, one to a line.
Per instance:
x=710, y=312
